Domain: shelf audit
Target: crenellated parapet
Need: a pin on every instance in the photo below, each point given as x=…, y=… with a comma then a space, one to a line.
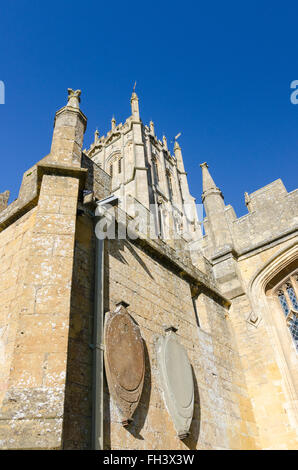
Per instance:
x=271, y=219
x=4, y=200
x=273, y=213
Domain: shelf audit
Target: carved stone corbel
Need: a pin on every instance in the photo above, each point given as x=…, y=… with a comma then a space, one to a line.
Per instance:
x=253, y=319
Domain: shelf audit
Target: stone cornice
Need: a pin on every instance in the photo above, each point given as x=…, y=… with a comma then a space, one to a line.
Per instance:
x=70, y=109
x=22, y=205
x=60, y=170
x=211, y=191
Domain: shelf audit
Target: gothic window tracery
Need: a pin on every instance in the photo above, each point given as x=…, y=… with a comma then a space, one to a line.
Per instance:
x=287, y=297
x=170, y=186
x=155, y=169
x=114, y=164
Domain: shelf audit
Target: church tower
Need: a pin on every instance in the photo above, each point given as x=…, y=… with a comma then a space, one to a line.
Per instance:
x=145, y=174
x=171, y=341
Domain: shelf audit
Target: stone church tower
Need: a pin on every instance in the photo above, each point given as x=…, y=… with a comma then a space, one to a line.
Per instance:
x=170, y=336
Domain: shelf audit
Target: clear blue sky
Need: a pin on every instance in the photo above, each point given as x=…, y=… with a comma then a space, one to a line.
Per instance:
x=219, y=72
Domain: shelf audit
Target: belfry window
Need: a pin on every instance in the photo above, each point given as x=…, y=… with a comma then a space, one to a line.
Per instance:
x=155, y=169
x=170, y=186
x=287, y=296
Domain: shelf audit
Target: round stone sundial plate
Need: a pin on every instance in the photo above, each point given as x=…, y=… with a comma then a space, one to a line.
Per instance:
x=124, y=361
x=177, y=382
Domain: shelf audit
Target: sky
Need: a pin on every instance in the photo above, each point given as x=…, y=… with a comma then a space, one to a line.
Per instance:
x=218, y=72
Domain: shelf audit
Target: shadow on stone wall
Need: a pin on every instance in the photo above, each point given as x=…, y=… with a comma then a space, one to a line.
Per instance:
x=194, y=432
x=78, y=388
x=141, y=412
x=117, y=248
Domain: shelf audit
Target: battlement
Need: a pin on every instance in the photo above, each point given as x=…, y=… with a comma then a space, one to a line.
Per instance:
x=272, y=212
x=265, y=196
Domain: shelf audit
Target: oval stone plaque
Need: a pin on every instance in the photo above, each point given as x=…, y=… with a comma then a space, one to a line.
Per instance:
x=177, y=381
x=124, y=361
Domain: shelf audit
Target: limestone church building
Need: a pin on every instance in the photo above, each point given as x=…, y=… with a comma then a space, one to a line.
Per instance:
x=177, y=334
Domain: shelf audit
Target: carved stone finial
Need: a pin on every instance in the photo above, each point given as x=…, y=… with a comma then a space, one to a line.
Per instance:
x=176, y=145
x=134, y=97
x=73, y=99
x=4, y=200
x=134, y=101
x=165, y=142
x=152, y=128
x=96, y=136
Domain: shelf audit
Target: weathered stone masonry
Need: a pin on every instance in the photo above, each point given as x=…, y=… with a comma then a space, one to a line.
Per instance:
x=220, y=297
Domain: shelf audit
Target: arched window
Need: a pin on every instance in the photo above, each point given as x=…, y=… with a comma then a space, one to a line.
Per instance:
x=114, y=165
x=287, y=296
x=170, y=186
x=155, y=169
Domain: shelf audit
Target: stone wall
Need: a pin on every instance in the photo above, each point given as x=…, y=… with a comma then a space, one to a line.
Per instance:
x=272, y=213
x=243, y=370
x=158, y=296
x=36, y=281
x=267, y=353
x=266, y=384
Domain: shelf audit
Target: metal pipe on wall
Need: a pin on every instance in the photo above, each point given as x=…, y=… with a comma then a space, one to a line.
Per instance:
x=98, y=348
x=97, y=441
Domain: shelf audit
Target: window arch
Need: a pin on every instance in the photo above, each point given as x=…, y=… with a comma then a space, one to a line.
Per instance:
x=155, y=169
x=114, y=165
x=263, y=290
x=287, y=294
x=170, y=185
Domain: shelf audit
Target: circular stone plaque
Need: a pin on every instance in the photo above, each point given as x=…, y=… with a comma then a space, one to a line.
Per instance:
x=177, y=381
x=178, y=373
x=125, y=348
x=124, y=361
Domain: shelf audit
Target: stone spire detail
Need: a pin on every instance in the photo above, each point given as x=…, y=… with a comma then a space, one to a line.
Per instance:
x=152, y=131
x=217, y=227
x=113, y=121
x=209, y=187
x=96, y=136
x=4, y=200
x=69, y=128
x=134, y=101
x=179, y=159
x=73, y=98
x=165, y=142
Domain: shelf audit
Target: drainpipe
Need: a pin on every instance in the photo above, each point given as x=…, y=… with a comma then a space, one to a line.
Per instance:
x=98, y=347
